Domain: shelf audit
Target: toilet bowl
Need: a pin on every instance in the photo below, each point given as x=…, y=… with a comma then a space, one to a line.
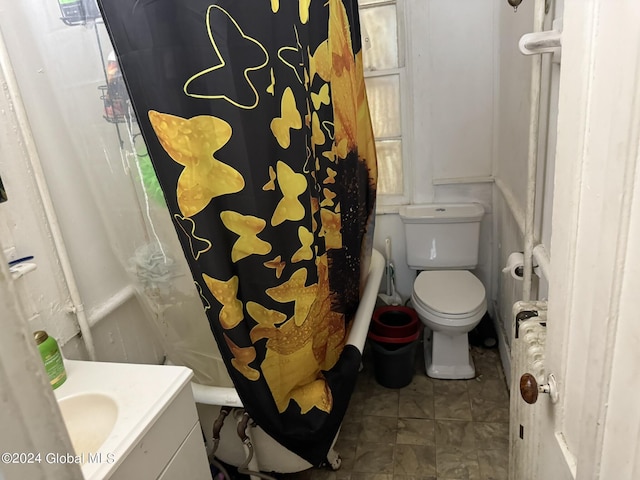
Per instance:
x=450, y=303
x=442, y=243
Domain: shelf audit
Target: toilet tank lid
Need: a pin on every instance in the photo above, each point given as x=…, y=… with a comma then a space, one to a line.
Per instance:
x=442, y=213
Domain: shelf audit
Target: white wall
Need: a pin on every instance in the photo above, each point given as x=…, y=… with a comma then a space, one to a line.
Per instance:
x=460, y=44
x=513, y=77
x=510, y=167
x=451, y=62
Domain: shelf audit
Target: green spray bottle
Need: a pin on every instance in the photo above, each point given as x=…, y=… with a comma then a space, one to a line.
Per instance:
x=51, y=357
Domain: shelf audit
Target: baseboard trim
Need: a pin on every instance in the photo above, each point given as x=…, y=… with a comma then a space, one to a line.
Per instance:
x=503, y=344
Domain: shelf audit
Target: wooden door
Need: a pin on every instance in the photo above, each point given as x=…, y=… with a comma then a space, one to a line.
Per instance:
x=593, y=329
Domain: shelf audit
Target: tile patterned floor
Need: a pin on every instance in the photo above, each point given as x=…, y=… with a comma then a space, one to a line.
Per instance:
x=428, y=430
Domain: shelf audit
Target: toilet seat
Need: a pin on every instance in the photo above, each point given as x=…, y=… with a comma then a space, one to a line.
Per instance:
x=449, y=294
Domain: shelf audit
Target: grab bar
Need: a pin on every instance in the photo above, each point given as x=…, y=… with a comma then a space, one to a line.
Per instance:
x=540, y=42
x=548, y=41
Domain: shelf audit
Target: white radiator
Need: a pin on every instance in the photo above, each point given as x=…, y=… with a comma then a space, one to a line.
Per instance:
x=527, y=356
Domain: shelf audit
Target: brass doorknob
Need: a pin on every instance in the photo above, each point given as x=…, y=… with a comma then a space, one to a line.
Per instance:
x=529, y=388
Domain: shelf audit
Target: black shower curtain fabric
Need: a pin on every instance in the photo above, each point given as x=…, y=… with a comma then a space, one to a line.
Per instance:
x=255, y=117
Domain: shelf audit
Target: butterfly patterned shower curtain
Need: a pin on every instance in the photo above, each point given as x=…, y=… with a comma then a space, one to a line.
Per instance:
x=256, y=120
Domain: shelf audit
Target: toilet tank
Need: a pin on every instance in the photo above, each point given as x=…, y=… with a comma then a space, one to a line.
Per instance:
x=442, y=236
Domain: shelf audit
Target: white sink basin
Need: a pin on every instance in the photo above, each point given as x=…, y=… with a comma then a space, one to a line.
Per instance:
x=90, y=418
x=109, y=407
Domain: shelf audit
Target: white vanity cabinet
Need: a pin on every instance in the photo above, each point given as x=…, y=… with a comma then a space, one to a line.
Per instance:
x=172, y=449
x=153, y=430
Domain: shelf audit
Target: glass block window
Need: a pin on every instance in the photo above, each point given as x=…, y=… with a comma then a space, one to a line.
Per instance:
x=383, y=68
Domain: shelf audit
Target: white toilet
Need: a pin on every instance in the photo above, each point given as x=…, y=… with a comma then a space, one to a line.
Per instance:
x=442, y=242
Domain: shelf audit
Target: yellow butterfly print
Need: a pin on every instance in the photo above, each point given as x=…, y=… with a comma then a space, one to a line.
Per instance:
x=292, y=185
x=338, y=150
x=317, y=135
x=342, y=148
x=305, y=167
x=290, y=119
x=295, y=350
x=276, y=264
x=242, y=357
x=329, y=128
x=320, y=62
x=304, y=252
x=197, y=245
x=275, y=5
x=331, y=176
x=330, y=230
x=272, y=85
x=303, y=10
x=205, y=301
x=294, y=290
x=226, y=292
x=248, y=227
x=271, y=184
x=265, y=316
x=321, y=98
x=328, y=198
x=222, y=62
x=315, y=208
x=193, y=143
x=289, y=379
x=267, y=320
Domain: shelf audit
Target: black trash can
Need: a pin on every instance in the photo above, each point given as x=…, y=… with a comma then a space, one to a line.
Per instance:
x=393, y=337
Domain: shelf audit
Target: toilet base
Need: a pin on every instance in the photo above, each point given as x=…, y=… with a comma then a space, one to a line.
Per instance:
x=448, y=357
